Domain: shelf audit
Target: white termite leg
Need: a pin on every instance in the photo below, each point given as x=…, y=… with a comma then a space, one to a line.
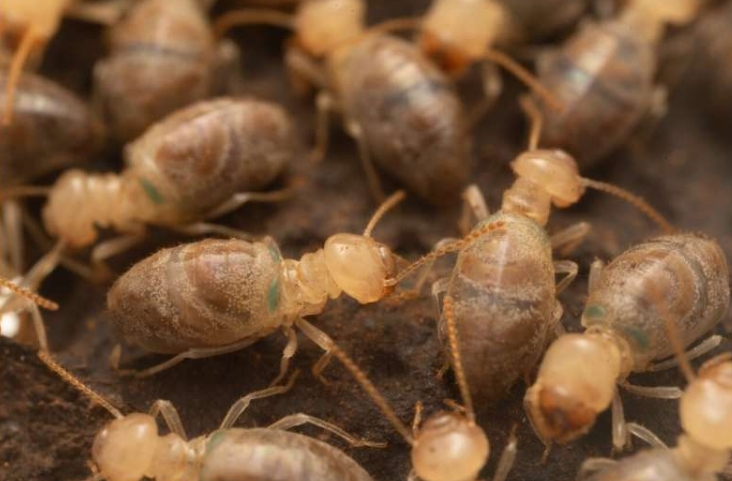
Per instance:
x=170, y=416
x=557, y=314
x=424, y=274
x=567, y=239
x=645, y=434
x=204, y=228
x=302, y=71
x=417, y=420
x=619, y=426
x=241, y=404
x=196, y=353
x=323, y=340
x=699, y=350
x=492, y=84
x=595, y=272
x=105, y=250
x=474, y=206
x=241, y=198
x=354, y=130
x=594, y=465
x=569, y=268
x=508, y=457
x=287, y=353
x=656, y=392
x=299, y=419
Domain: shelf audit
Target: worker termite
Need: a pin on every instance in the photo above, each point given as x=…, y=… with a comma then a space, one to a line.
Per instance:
x=217, y=296
x=702, y=450
x=163, y=57
x=197, y=163
x=604, y=75
x=685, y=275
x=52, y=129
x=401, y=110
x=502, y=289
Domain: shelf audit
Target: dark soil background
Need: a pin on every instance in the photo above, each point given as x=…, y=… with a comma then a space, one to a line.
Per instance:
x=683, y=167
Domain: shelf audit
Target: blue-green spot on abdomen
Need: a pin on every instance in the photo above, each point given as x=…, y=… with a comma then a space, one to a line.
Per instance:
x=638, y=335
x=152, y=192
x=273, y=295
x=215, y=439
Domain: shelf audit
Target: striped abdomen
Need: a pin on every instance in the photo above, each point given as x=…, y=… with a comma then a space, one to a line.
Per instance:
x=197, y=158
x=684, y=276
x=207, y=293
x=503, y=289
x=604, y=76
x=412, y=121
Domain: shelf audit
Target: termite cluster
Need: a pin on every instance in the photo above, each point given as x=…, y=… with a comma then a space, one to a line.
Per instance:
x=195, y=109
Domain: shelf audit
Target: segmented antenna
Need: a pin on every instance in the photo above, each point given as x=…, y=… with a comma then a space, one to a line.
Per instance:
x=448, y=311
x=385, y=207
x=535, y=119
x=28, y=294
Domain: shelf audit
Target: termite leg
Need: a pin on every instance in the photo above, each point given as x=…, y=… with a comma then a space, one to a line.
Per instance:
x=645, y=434
x=241, y=405
x=569, y=268
x=294, y=420
x=594, y=465
x=112, y=247
x=566, y=240
x=619, y=426
x=699, y=350
x=356, y=132
x=287, y=353
x=492, y=84
x=595, y=271
x=170, y=415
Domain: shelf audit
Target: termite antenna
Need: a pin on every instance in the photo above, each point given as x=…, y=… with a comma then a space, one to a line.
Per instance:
x=454, y=246
x=28, y=294
x=635, y=200
x=29, y=40
x=536, y=120
x=94, y=396
x=385, y=207
x=453, y=337
x=515, y=69
x=241, y=17
x=363, y=380
x=672, y=332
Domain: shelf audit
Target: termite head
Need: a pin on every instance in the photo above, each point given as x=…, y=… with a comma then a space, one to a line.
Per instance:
x=456, y=33
x=576, y=381
x=125, y=448
x=449, y=447
x=555, y=171
x=324, y=25
x=706, y=406
x=360, y=265
x=129, y=448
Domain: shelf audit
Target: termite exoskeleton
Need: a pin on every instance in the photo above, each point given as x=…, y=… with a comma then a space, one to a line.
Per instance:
x=604, y=76
x=217, y=296
x=163, y=57
x=702, y=450
x=401, y=110
x=502, y=290
x=684, y=275
x=197, y=163
x=52, y=129
x=537, y=21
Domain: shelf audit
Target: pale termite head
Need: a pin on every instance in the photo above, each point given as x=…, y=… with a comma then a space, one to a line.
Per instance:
x=322, y=26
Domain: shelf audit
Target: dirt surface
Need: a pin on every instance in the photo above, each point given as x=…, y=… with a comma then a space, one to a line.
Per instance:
x=46, y=428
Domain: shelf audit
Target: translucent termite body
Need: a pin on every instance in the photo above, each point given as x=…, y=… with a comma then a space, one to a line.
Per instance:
x=702, y=451
x=163, y=58
x=684, y=276
x=604, y=76
x=185, y=167
x=400, y=108
x=216, y=296
x=52, y=129
x=536, y=21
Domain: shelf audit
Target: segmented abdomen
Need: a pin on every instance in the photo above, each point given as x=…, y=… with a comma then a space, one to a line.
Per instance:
x=207, y=293
x=503, y=288
x=684, y=277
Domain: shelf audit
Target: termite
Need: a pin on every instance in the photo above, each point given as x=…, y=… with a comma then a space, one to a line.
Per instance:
x=685, y=275
x=402, y=111
x=52, y=129
x=502, y=287
x=537, y=21
x=217, y=296
x=163, y=58
x=195, y=164
x=604, y=76
x=702, y=450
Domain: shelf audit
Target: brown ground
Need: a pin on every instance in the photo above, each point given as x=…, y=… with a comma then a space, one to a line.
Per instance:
x=46, y=428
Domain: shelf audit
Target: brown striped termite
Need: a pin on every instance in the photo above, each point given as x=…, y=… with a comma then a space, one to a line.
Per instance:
x=52, y=129
x=684, y=275
x=502, y=288
x=604, y=76
x=163, y=57
x=199, y=162
x=702, y=450
x=402, y=111
x=217, y=296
